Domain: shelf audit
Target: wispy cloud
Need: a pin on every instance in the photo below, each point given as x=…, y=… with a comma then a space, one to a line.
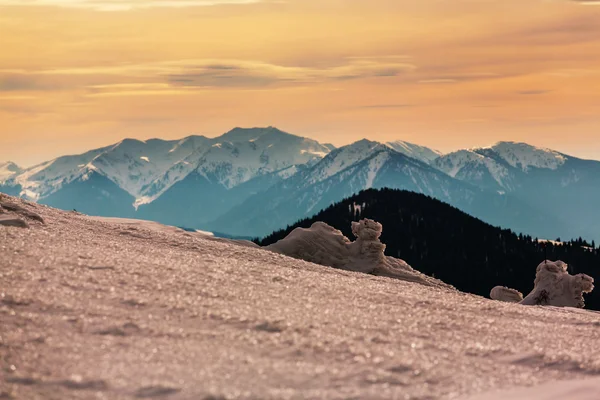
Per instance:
x=122, y=5
x=194, y=74
x=532, y=92
x=388, y=106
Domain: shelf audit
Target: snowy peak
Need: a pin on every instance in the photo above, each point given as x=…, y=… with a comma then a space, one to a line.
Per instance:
x=453, y=163
x=243, y=154
x=416, y=151
x=525, y=156
x=469, y=165
x=146, y=169
x=344, y=157
x=8, y=170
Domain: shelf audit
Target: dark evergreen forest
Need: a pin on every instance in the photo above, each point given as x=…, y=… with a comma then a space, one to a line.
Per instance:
x=442, y=241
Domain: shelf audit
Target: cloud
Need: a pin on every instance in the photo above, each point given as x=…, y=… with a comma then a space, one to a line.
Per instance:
x=533, y=92
x=185, y=75
x=257, y=74
x=386, y=106
x=122, y=5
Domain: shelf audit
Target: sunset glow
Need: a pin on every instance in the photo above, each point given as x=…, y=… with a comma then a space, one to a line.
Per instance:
x=78, y=74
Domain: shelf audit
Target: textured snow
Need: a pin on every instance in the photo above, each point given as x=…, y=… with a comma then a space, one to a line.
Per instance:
x=570, y=390
x=325, y=245
x=96, y=309
x=421, y=153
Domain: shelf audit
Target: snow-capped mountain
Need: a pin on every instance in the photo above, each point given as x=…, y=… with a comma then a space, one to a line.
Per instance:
x=421, y=153
x=470, y=166
x=555, y=183
x=250, y=180
x=139, y=172
x=8, y=170
x=363, y=165
x=525, y=156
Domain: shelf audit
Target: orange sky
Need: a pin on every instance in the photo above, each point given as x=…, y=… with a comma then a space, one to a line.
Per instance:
x=79, y=74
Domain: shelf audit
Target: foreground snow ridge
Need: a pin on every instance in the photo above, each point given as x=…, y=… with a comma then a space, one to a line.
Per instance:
x=325, y=245
x=553, y=287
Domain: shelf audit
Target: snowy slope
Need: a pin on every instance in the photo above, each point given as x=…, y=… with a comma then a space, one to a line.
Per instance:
x=421, y=153
x=129, y=312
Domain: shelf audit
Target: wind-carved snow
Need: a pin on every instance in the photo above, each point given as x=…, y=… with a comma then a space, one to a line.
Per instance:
x=421, y=153
x=325, y=245
x=553, y=286
x=525, y=156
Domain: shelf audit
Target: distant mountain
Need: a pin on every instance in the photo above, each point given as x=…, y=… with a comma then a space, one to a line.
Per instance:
x=197, y=171
x=555, y=183
x=363, y=165
x=442, y=241
x=420, y=153
x=9, y=170
x=252, y=181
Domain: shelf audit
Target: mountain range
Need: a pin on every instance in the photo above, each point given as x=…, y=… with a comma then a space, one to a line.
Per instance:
x=251, y=182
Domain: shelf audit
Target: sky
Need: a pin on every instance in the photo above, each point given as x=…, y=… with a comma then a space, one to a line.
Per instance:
x=449, y=74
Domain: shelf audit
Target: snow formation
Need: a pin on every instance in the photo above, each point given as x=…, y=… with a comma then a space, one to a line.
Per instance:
x=553, y=287
x=325, y=245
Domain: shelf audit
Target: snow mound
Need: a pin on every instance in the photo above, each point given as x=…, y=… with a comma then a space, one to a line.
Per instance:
x=553, y=286
x=507, y=295
x=325, y=245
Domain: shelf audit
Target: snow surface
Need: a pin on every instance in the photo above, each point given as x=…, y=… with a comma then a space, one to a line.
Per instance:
x=570, y=390
x=95, y=309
